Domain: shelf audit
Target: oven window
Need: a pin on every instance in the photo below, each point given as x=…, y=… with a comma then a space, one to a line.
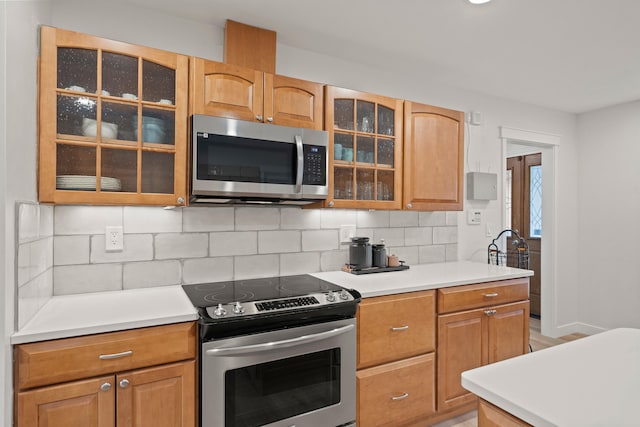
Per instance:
x=267, y=392
x=237, y=159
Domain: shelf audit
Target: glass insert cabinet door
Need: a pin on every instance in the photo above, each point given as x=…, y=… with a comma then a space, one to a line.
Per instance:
x=365, y=133
x=112, y=122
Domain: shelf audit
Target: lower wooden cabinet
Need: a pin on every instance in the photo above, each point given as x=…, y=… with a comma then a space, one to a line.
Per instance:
x=492, y=416
x=117, y=390
x=397, y=393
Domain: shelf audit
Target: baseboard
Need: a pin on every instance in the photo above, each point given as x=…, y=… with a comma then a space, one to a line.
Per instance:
x=576, y=328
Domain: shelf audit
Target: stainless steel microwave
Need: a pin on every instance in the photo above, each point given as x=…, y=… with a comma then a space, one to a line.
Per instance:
x=235, y=161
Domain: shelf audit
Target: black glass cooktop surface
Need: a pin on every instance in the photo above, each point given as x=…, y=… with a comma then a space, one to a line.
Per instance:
x=211, y=294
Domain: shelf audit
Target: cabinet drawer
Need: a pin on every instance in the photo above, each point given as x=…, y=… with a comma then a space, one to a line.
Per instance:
x=396, y=326
x=396, y=393
x=466, y=297
x=56, y=361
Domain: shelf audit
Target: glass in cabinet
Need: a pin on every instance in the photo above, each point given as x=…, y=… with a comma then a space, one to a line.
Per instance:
x=365, y=133
x=113, y=120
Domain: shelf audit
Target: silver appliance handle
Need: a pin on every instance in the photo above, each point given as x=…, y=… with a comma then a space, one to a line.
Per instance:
x=300, y=169
x=254, y=348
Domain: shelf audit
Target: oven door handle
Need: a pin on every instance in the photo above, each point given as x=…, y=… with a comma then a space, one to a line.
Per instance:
x=254, y=348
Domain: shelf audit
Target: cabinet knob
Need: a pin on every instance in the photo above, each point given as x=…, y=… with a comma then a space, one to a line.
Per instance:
x=180, y=200
x=270, y=119
x=124, y=383
x=259, y=117
x=490, y=312
x=409, y=206
x=331, y=203
x=105, y=387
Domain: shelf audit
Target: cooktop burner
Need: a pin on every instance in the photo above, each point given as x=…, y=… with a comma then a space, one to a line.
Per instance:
x=250, y=305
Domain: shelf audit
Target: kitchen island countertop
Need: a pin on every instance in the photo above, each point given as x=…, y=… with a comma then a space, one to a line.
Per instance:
x=422, y=277
x=593, y=381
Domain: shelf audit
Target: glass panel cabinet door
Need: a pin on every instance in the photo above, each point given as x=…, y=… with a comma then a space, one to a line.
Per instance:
x=366, y=162
x=113, y=122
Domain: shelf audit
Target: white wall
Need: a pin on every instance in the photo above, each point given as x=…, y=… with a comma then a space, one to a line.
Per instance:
x=609, y=202
x=18, y=61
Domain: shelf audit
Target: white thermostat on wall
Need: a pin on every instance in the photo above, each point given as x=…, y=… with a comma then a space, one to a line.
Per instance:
x=474, y=217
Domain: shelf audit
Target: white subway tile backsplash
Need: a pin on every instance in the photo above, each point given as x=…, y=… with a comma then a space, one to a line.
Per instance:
x=28, y=222
x=69, y=250
x=33, y=295
x=262, y=218
x=151, y=273
x=181, y=245
x=418, y=236
x=403, y=219
x=371, y=219
x=233, y=243
x=270, y=242
x=299, y=263
x=432, y=254
x=451, y=252
x=34, y=258
x=85, y=219
x=255, y=266
x=409, y=254
x=203, y=270
x=432, y=218
x=80, y=279
x=333, y=260
x=137, y=247
x=208, y=219
x=445, y=235
x=151, y=219
x=452, y=218
x=299, y=219
x=391, y=236
x=335, y=218
x=320, y=240
x=46, y=221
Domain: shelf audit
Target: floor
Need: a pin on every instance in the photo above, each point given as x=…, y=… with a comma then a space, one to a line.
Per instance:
x=538, y=342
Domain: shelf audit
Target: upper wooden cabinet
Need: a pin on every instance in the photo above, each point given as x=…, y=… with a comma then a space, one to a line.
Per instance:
x=112, y=122
x=433, y=158
x=225, y=90
x=365, y=139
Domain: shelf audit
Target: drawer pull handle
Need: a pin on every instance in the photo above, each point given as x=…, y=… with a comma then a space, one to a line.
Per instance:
x=492, y=295
x=490, y=312
x=401, y=397
x=401, y=328
x=115, y=355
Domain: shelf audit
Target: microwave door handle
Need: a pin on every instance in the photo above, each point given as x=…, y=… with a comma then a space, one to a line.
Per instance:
x=255, y=348
x=300, y=168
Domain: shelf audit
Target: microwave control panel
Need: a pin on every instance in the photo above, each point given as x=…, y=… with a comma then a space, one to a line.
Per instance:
x=315, y=165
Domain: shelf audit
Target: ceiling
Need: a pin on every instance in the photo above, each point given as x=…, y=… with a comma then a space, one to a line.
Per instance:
x=568, y=55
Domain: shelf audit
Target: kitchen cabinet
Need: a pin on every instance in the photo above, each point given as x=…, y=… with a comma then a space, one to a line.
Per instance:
x=365, y=139
x=492, y=416
x=129, y=378
x=433, y=158
x=478, y=324
x=226, y=90
x=112, y=122
x=395, y=359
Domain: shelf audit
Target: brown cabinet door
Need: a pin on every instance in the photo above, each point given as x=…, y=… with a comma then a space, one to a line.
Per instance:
x=225, y=90
x=163, y=396
x=433, y=158
x=293, y=102
x=508, y=331
x=395, y=327
x=89, y=403
x=462, y=341
x=492, y=416
x=396, y=393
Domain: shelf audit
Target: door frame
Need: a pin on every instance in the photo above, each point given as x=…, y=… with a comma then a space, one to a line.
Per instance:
x=548, y=145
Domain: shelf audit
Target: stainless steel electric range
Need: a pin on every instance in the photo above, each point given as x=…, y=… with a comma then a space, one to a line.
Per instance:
x=277, y=352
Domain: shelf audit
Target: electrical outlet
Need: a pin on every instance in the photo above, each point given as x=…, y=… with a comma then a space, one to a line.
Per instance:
x=346, y=233
x=113, y=238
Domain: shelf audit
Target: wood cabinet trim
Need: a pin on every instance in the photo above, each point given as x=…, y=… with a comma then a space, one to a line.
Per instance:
x=465, y=297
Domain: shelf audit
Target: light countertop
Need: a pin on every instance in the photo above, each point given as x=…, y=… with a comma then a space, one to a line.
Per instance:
x=82, y=314
x=593, y=381
x=422, y=277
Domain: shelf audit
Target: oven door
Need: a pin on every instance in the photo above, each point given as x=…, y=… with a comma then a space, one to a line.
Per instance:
x=303, y=377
